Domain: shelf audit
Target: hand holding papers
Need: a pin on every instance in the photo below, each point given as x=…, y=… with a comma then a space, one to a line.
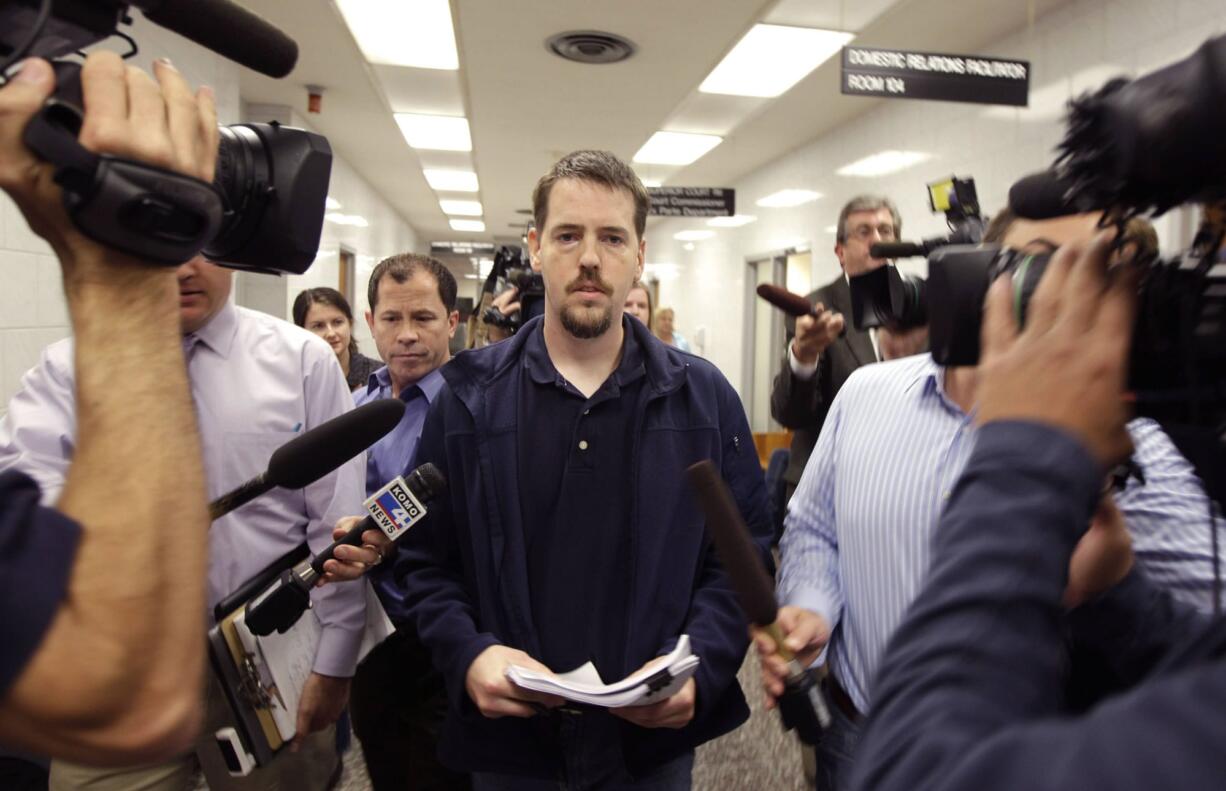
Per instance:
x=650, y=684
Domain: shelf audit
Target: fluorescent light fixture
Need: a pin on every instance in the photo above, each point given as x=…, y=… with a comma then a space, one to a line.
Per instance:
x=693, y=236
x=414, y=33
x=472, y=226
x=472, y=277
x=831, y=229
x=331, y=203
x=346, y=219
x=649, y=183
x=688, y=246
x=675, y=148
x=784, y=199
x=462, y=208
x=770, y=59
x=435, y=132
x=451, y=180
x=735, y=221
x=883, y=163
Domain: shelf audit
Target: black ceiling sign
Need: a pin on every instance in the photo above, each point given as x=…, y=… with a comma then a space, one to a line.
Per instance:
x=899, y=74
x=692, y=201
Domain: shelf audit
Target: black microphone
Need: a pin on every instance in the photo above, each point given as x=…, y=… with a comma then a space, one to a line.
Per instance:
x=1043, y=196
x=229, y=30
x=315, y=453
x=801, y=706
x=393, y=509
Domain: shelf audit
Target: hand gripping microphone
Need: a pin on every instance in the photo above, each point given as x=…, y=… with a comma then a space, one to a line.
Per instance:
x=801, y=706
x=393, y=509
x=315, y=453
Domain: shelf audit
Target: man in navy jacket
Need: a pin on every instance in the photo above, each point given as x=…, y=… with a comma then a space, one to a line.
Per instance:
x=568, y=533
x=970, y=694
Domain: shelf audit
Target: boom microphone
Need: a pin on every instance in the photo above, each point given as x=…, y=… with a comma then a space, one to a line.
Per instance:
x=393, y=509
x=801, y=705
x=315, y=453
x=229, y=30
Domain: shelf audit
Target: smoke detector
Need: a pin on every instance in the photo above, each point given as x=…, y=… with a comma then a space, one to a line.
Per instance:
x=590, y=46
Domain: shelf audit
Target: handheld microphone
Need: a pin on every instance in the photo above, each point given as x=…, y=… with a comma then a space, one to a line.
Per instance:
x=229, y=30
x=801, y=706
x=789, y=303
x=393, y=509
x=315, y=453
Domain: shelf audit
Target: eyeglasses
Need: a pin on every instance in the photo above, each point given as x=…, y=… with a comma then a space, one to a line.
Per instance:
x=885, y=231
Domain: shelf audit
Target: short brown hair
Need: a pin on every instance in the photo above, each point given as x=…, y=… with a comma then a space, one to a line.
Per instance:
x=600, y=167
x=867, y=203
x=400, y=267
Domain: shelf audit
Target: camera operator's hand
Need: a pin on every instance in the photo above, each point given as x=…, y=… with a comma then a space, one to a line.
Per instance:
x=507, y=303
x=1067, y=368
x=127, y=114
x=814, y=334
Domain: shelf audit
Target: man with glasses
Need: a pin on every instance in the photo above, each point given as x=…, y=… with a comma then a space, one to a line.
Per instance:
x=822, y=355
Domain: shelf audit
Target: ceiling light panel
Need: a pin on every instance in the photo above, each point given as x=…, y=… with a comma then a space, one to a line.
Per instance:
x=770, y=59
x=414, y=33
x=461, y=208
x=883, y=163
x=735, y=221
x=693, y=236
x=675, y=148
x=451, y=180
x=784, y=199
x=435, y=132
x=472, y=226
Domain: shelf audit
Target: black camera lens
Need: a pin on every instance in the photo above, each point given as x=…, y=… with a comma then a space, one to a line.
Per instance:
x=274, y=183
x=887, y=298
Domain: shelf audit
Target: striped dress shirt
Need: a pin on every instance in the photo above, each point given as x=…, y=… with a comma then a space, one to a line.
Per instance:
x=859, y=528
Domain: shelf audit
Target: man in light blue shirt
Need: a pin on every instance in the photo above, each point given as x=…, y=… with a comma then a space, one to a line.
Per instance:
x=256, y=382
x=397, y=695
x=855, y=550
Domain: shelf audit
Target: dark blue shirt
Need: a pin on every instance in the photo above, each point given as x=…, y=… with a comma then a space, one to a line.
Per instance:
x=37, y=549
x=575, y=461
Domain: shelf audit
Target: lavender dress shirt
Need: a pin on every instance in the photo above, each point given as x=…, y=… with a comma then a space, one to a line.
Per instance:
x=256, y=382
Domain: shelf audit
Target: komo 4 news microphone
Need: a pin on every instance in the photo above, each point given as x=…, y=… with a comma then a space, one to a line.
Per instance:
x=801, y=706
x=395, y=508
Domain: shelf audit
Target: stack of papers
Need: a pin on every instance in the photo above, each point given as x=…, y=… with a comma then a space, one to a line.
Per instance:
x=659, y=680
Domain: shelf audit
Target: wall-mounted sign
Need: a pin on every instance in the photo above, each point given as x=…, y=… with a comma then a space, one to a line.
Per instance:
x=692, y=201
x=898, y=74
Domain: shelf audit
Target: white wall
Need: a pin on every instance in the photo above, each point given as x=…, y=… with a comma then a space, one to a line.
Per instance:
x=1073, y=48
x=32, y=310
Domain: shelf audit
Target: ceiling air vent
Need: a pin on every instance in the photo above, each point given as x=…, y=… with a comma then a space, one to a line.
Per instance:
x=590, y=46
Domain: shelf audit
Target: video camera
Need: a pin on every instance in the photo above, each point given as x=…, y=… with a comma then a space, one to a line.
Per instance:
x=513, y=271
x=263, y=211
x=887, y=298
x=1132, y=147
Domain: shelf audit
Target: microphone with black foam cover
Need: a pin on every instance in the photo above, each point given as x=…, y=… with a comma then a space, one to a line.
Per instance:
x=801, y=706
x=898, y=250
x=1043, y=196
x=315, y=453
x=229, y=30
x=395, y=508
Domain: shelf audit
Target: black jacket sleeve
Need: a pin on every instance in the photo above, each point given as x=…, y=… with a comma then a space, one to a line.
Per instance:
x=969, y=695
